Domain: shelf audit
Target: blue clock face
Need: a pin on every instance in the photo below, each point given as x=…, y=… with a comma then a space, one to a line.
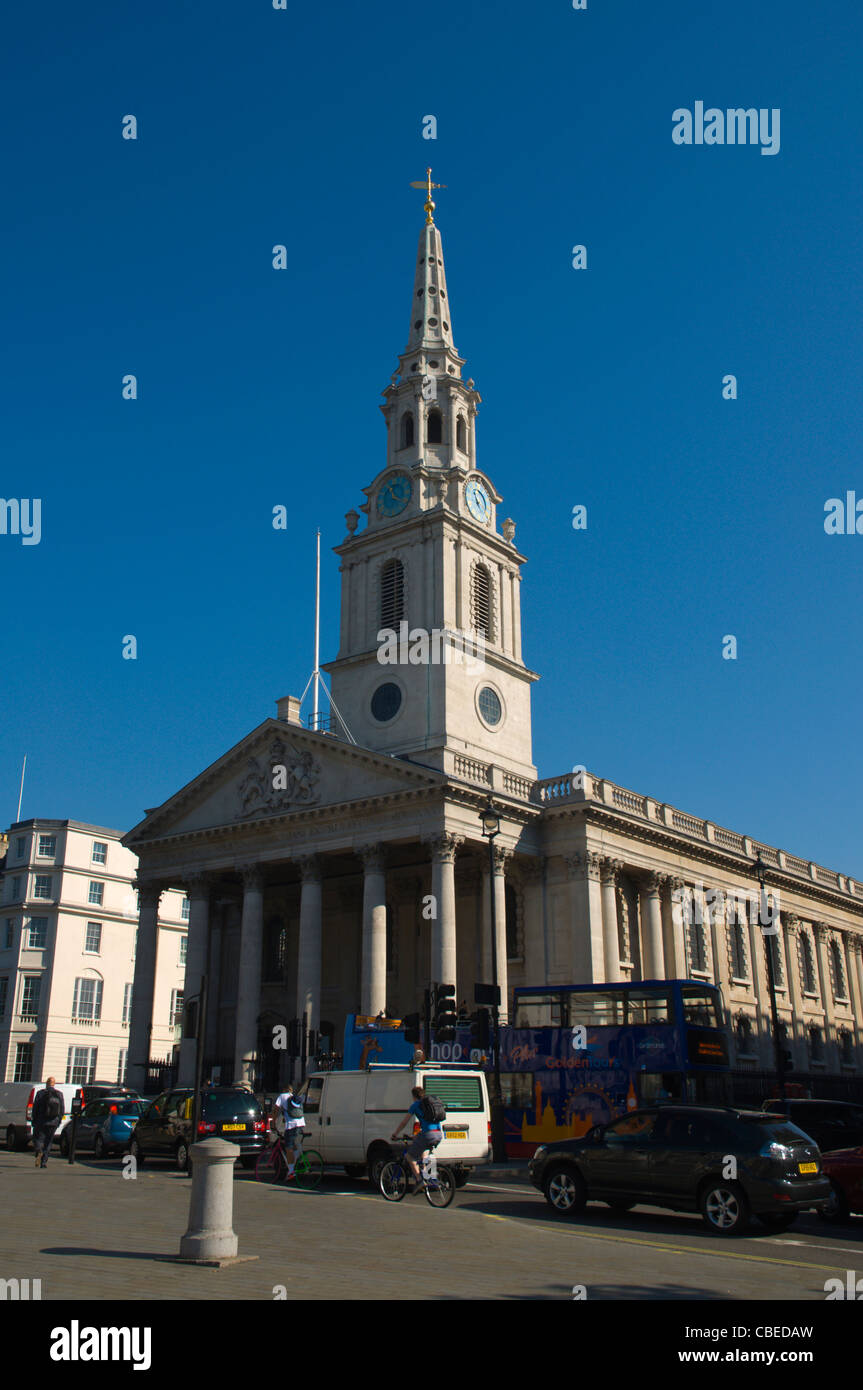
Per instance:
x=478, y=500
x=394, y=495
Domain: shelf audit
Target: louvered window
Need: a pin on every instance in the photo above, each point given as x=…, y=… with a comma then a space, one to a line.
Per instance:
x=392, y=594
x=482, y=601
x=435, y=427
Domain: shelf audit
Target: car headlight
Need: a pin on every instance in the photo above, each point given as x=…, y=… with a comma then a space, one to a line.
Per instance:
x=541, y=1150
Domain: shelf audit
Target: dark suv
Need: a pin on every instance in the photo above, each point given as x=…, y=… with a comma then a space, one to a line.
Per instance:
x=726, y=1163
x=165, y=1128
x=833, y=1124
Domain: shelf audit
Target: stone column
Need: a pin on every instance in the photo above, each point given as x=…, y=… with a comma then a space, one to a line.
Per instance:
x=141, y=1020
x=504, y=636
x=608, y=871
x=516, y=615
x=501, y=855
x=309, y=946
x=249, y=982
x=443, y=936
x=796, y=1032
x=857, y=953
x=672, y=928
x=760, y=986
x=588, y=953
x=535, y=967
x=832, y=1055
x=850, y=953
x=214, y=976
x=651, y=916
x=717, y=930
x=374, y=969
x=196, y=966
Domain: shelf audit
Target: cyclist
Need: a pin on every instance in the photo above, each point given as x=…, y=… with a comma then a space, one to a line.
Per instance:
x=429, y=1137
x=292, y=1111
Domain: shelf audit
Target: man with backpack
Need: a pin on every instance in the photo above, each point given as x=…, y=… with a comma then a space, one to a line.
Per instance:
x=430, y=1112
x=290, y=1108
x=48, y=1110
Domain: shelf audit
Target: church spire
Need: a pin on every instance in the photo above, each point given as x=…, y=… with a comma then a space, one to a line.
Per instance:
x=430, y=323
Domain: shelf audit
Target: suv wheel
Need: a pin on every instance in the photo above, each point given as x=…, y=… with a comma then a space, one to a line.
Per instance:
x=724, y=1208
x=837, y=1208
x=64, y=1145
x=181, y=1155
x=11, y=1139
x=99, y=1149
x=136, y=1151
x=564, y=1189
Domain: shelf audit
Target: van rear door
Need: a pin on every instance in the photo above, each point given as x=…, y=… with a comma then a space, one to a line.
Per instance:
x=465, y=1129
x=342, y=1112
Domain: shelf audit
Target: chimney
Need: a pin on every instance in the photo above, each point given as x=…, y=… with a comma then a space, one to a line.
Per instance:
x=288, y=708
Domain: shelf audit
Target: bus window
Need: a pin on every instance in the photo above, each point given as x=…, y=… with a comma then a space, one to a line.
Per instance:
x=539, y=1011
x=595, y=1009
x=699, y=1007
x=648, y=1006
x=655, y=1085
x=517, y=1089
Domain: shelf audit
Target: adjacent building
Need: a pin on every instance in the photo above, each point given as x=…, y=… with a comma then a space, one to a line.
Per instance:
x=68, y=924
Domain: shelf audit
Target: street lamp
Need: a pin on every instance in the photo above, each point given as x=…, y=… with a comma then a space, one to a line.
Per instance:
x=490, y=821
x=778, y=1049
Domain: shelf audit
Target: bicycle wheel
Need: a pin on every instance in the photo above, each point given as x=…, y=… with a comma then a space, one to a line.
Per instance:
x=271, y=1166
x=394, y=1183
x=442, y=1195
x=309, y=1170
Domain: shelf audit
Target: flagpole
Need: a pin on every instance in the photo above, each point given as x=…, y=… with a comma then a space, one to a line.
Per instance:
x=21, y=789
x=317, y=673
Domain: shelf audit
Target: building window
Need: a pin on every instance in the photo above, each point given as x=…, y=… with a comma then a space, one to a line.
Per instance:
x=100, y=852
x=47, y=846
x=743, y=1035
x=774, y=951
x=816, y=1044
x=513, y=946
x=185, y=909
x=4, y=994
x=16, y=888
x=87, y=1000
x=8, y=934
x=37, y=934
x=807, y=964
x=127, y=1005
x=407, y=430
x=176, y=1007
x=30, y=998
x=392, y=594
x=694, y=928
x=184, y=948
x=837, y=970
x=81, y=1066
x=122, y=1063
x=435, y=425
x=461, y=434
x=95, y=893
x=481, y=601
x=23, y=1062
x=19, y=847
x=489, y=705
x=386, y=702
x=43, y=886
x=93, y=939
x=737, y=934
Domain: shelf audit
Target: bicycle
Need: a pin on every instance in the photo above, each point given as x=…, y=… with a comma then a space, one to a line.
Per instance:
x=272, y=1166
x=397, y=1174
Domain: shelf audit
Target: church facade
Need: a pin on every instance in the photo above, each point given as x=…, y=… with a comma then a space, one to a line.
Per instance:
x=342, y=868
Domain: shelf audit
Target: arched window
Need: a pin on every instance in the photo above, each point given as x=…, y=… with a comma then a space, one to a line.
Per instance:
x=513, y=951
x=693, y=917
x=774, y=951
x=816, y=1044
x=807, y=964
x=435, y=427
x=461, y=434
x=743, y=1034
x=407, y=431
x=738, y=946
x=846, y=1047
x=839, y=987
x=392, y=594
x=481, y=601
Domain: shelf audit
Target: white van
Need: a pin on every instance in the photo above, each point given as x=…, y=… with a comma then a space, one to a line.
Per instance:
x=350, y=1115
x=16, y=1105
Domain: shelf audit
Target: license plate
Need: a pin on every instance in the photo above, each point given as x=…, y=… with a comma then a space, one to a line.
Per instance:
x=227, y=1127
x=807, y=1167
x=455, y=1133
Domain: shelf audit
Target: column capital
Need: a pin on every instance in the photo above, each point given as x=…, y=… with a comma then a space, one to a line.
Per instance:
x=654, y=883
x=609, y=869
x=309, y=866
x=821, y=932
x=149, y=891
x=199, y=885
x=583, y=865
x=374, y=857
x=443, y=847
x=252, y=875
x=501, y=857
x=791, y=923
x=855, y=943
x=672, y=882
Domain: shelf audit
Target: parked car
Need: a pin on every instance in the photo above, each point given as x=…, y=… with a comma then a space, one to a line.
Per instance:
x=16, y=1105
x=164, y=1129
x=104, y=1126
x=844, y=1170
x=833, y=1124
x=350, y=1115
x=677, y=1156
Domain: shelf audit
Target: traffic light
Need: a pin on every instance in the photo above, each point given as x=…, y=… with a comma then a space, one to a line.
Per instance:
x=444, y=1018
x=480, y=1030
x=411, y=1026
x=190, y=1018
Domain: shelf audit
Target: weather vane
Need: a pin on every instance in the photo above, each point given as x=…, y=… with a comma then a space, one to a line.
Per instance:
x=427, y=184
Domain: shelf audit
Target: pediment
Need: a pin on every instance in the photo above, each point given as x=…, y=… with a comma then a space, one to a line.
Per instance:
x=279, y=769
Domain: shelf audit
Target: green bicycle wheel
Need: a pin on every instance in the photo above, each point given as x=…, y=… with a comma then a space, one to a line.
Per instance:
x=393, y=1181
x=309, y=1170
x=271, y=1166
x=442, y=1194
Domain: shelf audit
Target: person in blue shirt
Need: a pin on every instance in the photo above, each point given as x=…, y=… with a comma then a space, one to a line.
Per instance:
x=429, y=1137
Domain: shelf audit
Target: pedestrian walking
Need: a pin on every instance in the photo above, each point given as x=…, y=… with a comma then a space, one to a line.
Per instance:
x=48, y=1110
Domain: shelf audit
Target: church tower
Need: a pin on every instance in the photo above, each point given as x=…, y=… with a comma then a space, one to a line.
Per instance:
x=429, y=662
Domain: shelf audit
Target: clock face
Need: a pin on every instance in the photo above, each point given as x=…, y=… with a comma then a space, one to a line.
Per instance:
x=478, y=500
x=394, y=495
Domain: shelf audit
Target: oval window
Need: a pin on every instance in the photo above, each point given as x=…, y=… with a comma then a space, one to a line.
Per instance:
x=489, y=705
x=386, y=702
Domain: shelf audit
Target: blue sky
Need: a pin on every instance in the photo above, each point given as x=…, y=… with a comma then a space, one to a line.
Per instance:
x=601, y=387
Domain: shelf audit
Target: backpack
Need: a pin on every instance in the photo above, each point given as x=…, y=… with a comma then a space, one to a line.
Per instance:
x=295, y=1110
x=432, y=1109
x=52, y=1107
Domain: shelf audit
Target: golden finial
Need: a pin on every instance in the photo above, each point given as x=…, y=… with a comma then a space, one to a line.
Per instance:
x=427, y=184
